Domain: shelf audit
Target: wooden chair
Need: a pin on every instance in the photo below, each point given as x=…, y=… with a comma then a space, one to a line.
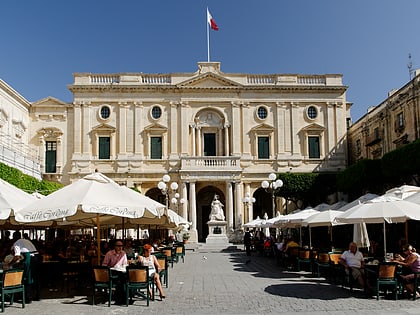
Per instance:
x=138, y=283
x=336, y=269
x=163, y=273
x=323, y=261
x=304, y=257
x=12, y=283
x=102, y=280
x=386, y=277
x=169, y=252
x=180, y=252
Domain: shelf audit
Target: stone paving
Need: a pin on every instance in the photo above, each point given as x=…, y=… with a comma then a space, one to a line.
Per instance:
x=229, y=282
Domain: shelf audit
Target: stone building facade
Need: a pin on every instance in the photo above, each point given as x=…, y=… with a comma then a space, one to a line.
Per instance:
x=387, y=126
x=211, y=132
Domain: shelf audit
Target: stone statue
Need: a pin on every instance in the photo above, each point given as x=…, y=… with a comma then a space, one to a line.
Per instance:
x=216, y=210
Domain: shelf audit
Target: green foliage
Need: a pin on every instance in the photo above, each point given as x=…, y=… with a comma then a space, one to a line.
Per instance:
x=403, y=164
x=360, y=178
x=25, y=182
x=307, y=188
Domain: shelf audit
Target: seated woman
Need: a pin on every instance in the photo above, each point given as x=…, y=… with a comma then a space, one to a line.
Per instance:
x=412, y=261
x=150, y=261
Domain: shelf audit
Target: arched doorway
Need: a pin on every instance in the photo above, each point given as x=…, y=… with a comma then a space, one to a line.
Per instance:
x=262, y=205
x=204, y=198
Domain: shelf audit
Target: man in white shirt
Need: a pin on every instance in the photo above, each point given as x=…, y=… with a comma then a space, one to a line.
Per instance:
x=354, y=262
x=25, y=248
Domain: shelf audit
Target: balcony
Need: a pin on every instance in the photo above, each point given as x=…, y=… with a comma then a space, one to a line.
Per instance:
x=374, y=138
x=211, y=163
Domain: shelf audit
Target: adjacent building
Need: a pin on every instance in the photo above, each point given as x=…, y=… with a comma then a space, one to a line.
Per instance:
x=387, y=126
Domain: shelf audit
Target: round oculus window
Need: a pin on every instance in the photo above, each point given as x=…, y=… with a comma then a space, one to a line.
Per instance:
x=105, y=112
x=312, y=112
x=262, y=112
x=156, y=112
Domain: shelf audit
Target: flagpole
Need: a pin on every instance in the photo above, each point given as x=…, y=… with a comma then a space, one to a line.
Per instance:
x=208, y=36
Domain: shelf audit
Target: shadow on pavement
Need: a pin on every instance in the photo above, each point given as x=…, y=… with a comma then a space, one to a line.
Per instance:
x=309, y=291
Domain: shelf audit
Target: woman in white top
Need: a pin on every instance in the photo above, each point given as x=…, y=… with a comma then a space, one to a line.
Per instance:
x=151, y=262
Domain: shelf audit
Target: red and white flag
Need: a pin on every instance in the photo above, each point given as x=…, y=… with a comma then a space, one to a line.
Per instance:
x=211, y=22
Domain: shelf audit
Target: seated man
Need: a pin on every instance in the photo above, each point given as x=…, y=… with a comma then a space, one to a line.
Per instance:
x=353, y=262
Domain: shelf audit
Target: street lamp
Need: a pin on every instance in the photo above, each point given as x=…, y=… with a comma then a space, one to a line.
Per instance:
x=248, y=201
x=163, y=186
x=270, y=186
x=175, y=199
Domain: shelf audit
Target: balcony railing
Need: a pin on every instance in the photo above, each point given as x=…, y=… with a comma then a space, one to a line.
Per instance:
x=210, y=163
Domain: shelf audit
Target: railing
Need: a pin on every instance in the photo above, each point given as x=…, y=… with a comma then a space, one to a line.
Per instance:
x=104, y=79
x=156, y=79
x=210, y=163
x=287, y=79
x=311, y=80
x=261, y=79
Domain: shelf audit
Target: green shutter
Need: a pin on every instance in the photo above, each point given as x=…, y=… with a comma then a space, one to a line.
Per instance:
x=156, y=148
x=104, y=148
x=313, y=144
x=50, y=157
x=263, y=148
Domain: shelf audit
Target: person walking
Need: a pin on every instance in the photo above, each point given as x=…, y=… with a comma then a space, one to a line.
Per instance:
x=247, y=242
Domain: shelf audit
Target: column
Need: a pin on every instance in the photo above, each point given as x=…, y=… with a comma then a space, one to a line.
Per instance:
x=86, y=147
x=185, y=205
x=236, y=129
x=229, y=194
x=193, y=214
x=193, y=142
x=138, y=127
x=173, y=126
x=122, y=126
x=198, y=142
x=294, y=127
x=77, y=128
x=227, y=149
x=239, y=214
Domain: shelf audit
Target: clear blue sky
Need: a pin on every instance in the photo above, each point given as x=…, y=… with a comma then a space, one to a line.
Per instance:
x=44, y=42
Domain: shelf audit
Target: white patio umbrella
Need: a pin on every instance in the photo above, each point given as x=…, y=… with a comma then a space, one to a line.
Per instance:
x=403, y=191
x=295, y=220
x=93, y=196
x=381, y=210
x=256, y=223
x=12, y=198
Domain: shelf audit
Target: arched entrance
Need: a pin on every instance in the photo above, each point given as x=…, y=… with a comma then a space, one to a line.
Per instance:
x=204, y=198
x=263, y=204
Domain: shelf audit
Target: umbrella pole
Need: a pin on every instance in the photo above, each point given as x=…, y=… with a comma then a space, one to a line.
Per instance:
x=310, y=237
x=384, y=239
x=406, y=233
x=98, y=238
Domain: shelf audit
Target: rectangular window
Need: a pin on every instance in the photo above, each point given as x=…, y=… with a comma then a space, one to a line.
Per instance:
x=263, y=148
x=50, y=157
x=400, y=120
x=209, y=144
x=104, y=148
x=358, y=146
x=313, y=145
x=156, y=148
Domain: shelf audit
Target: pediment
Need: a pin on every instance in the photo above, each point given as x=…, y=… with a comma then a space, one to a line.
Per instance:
x=103, y=127
x=208, y=80
x=155, y=127
x=49, y=102
x=262, y=128
x=313, y=127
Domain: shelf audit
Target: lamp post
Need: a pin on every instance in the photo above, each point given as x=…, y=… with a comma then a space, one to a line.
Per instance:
x=163, y=186
x=248, y=201
x=176, y=201
x=270, y=186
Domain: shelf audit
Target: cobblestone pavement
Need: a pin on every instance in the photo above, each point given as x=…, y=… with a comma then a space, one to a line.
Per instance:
x=229, y=282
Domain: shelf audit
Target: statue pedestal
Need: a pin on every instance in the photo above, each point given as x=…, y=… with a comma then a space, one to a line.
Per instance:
x=217, y=234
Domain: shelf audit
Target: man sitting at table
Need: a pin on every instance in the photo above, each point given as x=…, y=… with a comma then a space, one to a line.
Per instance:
x=116, y=258
x=353, y=262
